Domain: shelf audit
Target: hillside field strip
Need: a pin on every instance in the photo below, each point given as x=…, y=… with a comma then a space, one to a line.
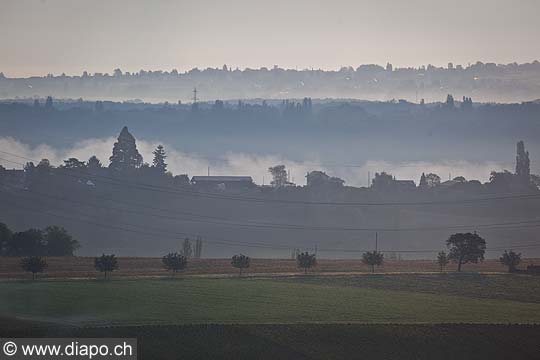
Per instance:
x=365, y=299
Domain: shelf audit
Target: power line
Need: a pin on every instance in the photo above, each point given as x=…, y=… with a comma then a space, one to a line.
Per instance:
x=146, y=230
x=278, y=226
x=220, y=241
x=177, y=191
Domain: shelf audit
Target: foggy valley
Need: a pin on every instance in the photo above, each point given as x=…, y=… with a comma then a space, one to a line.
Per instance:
x=269, y=180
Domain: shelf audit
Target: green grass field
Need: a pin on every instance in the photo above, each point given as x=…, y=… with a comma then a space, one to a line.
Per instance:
x=304, y=317
x=311, y=299
x=481, y=286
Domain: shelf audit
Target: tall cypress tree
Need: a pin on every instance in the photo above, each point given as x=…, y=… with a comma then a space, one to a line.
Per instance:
x=159, y=159
x=125, y=154
x=423, y=181
x=523, y=164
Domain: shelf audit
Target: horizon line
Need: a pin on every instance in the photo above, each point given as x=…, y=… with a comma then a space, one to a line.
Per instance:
x=186, y=71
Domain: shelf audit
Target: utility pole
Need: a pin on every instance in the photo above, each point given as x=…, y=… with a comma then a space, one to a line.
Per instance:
x=376, y=241
x=208, y=171
x=368, y=179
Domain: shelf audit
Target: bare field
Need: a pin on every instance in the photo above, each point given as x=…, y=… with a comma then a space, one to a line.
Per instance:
x=63, y=267
x=310, y=341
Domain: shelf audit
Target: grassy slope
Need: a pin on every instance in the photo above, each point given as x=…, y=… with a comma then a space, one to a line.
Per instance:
x=245, y=301
x=514, y=287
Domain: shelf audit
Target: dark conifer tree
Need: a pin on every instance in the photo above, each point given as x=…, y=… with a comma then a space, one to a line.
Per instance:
x=523, y=164
x=159, y=159
x=450, y=101
x=49, y=103
x=423, y=181
x=94, y=163
x=125, y=154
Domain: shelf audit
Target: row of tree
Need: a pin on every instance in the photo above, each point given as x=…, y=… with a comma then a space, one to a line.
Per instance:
x=463, y=248
x=478, y=68
x=503, y=180
x=126, y=158
x=51, y=241
x=384, y=181
x=125, y=163
x=106, y=264
x=37, y=264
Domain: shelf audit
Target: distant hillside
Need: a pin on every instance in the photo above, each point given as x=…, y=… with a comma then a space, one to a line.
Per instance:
x=485, y=82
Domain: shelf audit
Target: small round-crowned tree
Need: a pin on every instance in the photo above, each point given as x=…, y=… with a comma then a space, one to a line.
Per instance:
x=240, y=262
x=306, y=261
x=174, y=262
x=510, y=259
x=373, y=258
x=466, y=248
x=106, y=264
x=33, y=264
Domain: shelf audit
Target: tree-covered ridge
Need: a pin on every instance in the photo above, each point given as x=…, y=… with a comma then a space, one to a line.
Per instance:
x=268, y=124
x=126, y=160
x=488, y=81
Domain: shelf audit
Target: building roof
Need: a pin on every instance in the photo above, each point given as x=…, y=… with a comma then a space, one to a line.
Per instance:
x=450, y=183
x=221, y=179
x=406, y=182
x=14, y=171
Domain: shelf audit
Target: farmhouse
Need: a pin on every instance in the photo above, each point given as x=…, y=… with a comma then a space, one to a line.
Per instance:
x=405, y=184
x=320, y=178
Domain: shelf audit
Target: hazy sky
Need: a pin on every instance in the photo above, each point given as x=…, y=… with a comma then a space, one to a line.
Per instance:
x=55, y=36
